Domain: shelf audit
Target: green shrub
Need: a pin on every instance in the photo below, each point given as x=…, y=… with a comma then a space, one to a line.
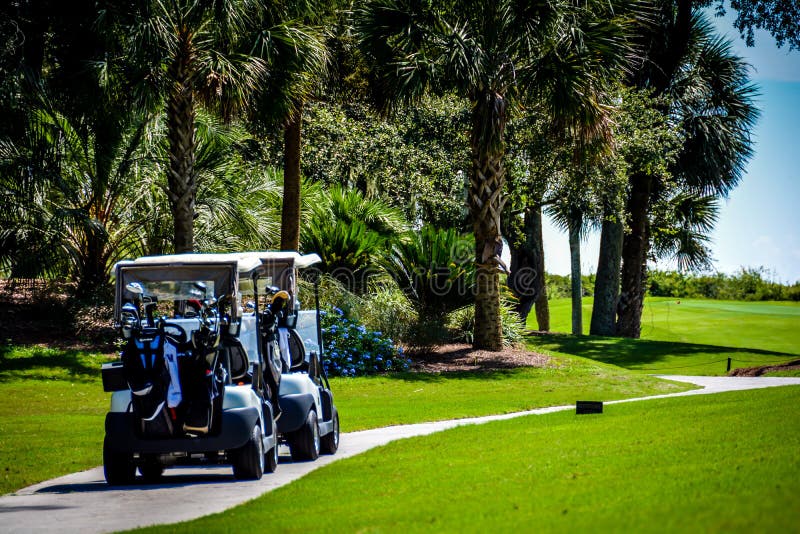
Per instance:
x=383, y=307
x=749, y=284
x=435, y=270
x=462, y=324
x=388, y=310
x=353, y=350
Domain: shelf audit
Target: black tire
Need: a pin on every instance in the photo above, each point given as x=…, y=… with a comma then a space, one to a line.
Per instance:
x=329, y=443
x=248, y=461
x=305, y=443
x=271, y=460
x=151, y=470
x=118, y=467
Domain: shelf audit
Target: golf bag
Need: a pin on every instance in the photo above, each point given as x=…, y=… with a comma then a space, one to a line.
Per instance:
x=201, y=382
x=166, y=403
x=148, y=379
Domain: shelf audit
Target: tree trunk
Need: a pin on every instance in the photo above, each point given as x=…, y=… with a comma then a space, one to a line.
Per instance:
x=575, y=277
x=92, y=272
x=606, y=285
x=634, y=258
x=485, y=206
x=181, y=177
x=290, y=212
x=526, y=279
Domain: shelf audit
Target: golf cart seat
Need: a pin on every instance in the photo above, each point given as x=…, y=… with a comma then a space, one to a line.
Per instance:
x=234, y=359
x=297, y=351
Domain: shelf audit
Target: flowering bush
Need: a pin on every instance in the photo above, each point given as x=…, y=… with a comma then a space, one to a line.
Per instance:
x=352, y=350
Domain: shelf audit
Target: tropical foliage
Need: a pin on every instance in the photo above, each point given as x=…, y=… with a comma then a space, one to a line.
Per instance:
x=376, y=134
x=352, y=350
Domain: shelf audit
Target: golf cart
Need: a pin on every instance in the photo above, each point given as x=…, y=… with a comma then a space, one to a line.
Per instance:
x=202, y=379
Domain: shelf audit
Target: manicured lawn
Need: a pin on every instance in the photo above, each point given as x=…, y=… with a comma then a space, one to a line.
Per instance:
x=718, y=463
x=52, y=403
x=416, y=397
x=52, y=406
x=694, y=337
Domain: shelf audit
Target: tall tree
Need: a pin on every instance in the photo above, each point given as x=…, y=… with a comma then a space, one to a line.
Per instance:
x=190, y=53
x=495, y=54
x=711, y=98
x=534, y=159
x=295, y=47
x=645, y=144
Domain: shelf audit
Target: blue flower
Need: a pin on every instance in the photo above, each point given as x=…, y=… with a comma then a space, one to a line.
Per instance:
x=338, y=311
x=378, y=359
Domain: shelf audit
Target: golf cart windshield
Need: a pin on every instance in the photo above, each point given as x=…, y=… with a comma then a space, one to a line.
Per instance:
x=169, y=284
x=307, y=328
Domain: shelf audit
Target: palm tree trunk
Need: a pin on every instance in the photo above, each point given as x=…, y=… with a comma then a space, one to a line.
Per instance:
x=290, y=212
x=485, y=206
x=575, y=276
x=181, y=177
x=92, y=272
x=606, y=285
x=526, y=279
x=634, y=258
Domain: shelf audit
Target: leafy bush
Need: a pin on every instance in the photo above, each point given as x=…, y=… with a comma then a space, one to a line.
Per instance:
x=353, y=350
x=383, y=307
x=750, y=284
x=560, y=286
x=387, y=309
x=435, y=270
x=462, y=324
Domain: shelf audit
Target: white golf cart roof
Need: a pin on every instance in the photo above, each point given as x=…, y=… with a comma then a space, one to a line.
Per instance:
x=223, y=269
x=246, y=261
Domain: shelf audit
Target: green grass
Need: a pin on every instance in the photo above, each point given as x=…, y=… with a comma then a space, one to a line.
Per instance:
x=695, y=337
x=52, y=403
x=718, y=463
x=52, y=406
x=416, y=397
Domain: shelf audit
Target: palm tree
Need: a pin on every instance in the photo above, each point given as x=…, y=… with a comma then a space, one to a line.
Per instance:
x=237, y=191
x=298, y=57
x=570, y=215
x=190, y=53
x=67, y=197
x=711, y=98
x=681, y=225
x=495, y=54
x=645, y=144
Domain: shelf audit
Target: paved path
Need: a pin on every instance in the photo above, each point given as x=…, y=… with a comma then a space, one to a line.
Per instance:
x=82, y=502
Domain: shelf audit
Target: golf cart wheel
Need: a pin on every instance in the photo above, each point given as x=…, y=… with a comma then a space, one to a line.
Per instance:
x=305, y=443
x=248, y=461
x=271, y=460
x=151, y=470
x=118, y=467
x=329, y=443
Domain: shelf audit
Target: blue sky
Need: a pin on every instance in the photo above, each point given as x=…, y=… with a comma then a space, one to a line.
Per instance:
x=759, y=225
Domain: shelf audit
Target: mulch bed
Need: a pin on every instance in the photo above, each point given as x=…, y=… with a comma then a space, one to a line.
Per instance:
x=462, y=357
x=759, y=371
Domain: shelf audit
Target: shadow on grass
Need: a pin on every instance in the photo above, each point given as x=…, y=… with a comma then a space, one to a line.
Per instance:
x=495, y=374
x=631, y=353
x=60, y=361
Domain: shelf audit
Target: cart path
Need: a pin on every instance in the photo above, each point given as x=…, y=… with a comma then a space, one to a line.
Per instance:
x=82, y=502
